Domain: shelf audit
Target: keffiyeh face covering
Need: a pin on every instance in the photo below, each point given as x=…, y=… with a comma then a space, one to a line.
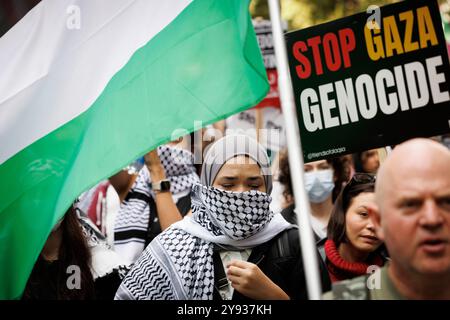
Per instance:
x=237, y=215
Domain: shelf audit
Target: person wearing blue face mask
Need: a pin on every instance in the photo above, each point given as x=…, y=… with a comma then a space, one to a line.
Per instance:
x=323, y=182
x=231, y=246
x=319, y=184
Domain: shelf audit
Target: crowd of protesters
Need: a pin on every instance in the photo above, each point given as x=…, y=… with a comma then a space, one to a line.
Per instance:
x=180, y=230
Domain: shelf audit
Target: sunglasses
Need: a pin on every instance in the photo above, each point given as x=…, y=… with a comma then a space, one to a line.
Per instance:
x=360, y=178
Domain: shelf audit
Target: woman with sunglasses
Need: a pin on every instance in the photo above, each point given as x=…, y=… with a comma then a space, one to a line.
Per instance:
x=352, y=246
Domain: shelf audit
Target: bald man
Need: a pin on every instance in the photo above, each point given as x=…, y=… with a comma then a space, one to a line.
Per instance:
x=412, y=217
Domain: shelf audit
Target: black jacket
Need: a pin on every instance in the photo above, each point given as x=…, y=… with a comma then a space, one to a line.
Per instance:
x=280, y=259
x=43, y=283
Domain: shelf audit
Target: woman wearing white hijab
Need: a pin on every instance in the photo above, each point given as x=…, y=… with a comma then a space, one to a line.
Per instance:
x=232, y=246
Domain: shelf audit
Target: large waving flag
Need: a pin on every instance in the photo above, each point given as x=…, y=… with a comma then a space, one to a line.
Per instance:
x=88, y=86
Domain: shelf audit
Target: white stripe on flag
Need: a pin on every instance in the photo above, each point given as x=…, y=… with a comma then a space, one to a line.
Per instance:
x=60, y=72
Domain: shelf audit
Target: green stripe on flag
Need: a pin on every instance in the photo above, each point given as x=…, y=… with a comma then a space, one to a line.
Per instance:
x=204, y=66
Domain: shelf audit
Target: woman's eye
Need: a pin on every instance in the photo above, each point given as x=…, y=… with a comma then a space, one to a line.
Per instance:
x=227, y=186
x=254, y=186
x=363, y=213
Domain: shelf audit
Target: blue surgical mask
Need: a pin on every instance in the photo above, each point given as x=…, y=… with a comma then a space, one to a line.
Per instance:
x=319, y=185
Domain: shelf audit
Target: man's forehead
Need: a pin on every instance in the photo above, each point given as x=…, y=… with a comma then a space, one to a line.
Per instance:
x=416, y=179
x=416, y=166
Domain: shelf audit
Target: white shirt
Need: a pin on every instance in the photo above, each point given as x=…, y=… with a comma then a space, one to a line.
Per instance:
x=318, y=227
x=226, y=292
x=276, y=205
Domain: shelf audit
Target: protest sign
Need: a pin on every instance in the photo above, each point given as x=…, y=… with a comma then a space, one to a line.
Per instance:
x=263, y=30
x=369, y=80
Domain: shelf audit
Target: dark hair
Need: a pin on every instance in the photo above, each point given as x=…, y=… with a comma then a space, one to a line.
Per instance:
x=360, y=182
x=73, y=251
x=359, y=160
x=341, y=174
x=284, y=176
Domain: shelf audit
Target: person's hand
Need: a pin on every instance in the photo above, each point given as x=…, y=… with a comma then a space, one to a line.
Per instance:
x=168, y=212
x=154, y=165
x=249, y=280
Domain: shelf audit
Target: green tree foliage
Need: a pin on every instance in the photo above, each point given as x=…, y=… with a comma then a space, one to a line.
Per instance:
x=304, y=13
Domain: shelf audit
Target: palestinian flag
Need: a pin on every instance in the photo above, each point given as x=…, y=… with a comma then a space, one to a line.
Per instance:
x=88, y=86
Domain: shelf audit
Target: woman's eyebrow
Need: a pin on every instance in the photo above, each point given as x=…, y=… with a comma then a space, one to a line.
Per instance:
x=254, y=178
x=228, y=178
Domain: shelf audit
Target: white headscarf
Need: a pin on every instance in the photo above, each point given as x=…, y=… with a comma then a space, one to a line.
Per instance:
x=231, y=146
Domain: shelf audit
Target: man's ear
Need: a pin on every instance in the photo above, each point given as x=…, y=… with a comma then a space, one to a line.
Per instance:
x=374, y=215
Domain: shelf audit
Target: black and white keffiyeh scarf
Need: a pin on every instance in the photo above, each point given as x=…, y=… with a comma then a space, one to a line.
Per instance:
x=237, y=215
x=132, y=221
x=178, y=264
x=104, y=260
